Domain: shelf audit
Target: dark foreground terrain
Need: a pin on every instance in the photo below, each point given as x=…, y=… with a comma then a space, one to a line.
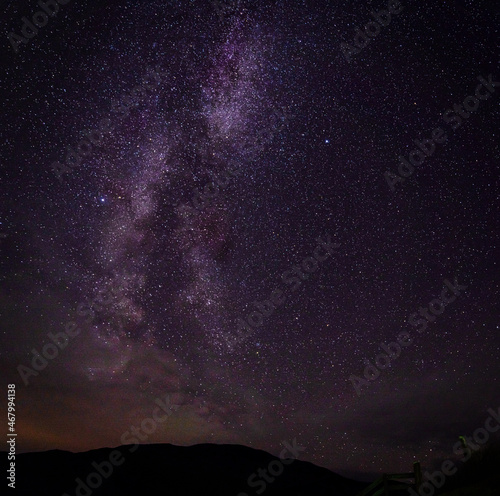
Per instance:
x=205, y=469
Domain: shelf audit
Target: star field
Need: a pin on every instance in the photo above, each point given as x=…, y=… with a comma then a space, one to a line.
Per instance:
x=238, y=135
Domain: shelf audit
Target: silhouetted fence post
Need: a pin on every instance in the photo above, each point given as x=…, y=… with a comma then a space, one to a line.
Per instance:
x=418, y=475
x=386, y=483
x=381, y=485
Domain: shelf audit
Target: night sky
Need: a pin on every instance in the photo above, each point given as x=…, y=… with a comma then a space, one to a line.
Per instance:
x=240, y=178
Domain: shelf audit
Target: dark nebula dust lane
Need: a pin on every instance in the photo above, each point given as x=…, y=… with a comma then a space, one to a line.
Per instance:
x=239, y=212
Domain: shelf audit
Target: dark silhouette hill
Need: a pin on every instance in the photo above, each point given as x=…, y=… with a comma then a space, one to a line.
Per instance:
x=161, y=469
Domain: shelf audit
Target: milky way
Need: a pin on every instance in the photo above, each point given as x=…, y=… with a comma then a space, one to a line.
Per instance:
x=240, y=135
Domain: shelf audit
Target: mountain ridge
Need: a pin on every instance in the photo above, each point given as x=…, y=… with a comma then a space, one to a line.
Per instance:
x=218, y=469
